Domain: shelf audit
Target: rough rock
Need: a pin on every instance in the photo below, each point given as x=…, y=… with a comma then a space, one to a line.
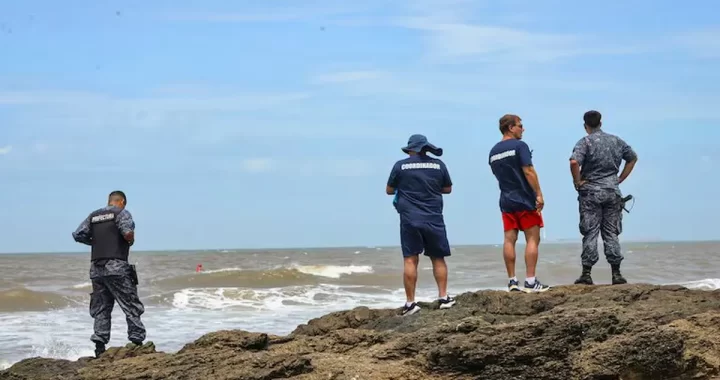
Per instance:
x=622, y=332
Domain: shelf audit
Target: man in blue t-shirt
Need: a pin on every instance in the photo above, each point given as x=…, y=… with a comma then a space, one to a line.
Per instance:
x=521, y=200
x=418, y=183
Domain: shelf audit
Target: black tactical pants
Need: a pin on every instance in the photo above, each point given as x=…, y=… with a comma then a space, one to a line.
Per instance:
x=113, y=282
x=601, y=214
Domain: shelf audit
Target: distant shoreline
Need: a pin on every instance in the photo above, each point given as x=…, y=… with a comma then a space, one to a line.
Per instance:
x=325, y=248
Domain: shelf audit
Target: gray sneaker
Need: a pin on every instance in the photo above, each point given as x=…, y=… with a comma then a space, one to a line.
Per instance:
x=537, y=287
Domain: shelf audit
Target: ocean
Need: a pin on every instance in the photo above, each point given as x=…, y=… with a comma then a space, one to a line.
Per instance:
x=44, y=297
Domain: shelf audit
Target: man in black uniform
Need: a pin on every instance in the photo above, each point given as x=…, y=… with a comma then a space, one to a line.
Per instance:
x=110, y=231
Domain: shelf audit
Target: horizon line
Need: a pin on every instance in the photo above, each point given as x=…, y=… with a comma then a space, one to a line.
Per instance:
x=268, y=248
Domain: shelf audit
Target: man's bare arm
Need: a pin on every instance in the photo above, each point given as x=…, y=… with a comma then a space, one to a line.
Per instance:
x=389, y=190
x=627, y=170
x=447, y=190
x=532, y=178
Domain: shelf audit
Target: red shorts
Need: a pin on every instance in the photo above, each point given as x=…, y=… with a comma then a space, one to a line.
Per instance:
x=521, y=220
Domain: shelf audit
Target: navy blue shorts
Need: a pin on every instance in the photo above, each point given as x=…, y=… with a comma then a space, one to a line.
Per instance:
x=428, y=238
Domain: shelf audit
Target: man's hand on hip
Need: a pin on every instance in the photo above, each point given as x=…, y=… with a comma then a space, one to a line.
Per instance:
x=539, y=202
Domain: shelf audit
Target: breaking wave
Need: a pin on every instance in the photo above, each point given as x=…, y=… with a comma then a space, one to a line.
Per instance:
x=705, y=284
x=296, y=297
x=22, y=299
x=294, y=275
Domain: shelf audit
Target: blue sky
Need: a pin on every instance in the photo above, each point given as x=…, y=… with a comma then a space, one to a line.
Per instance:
x=275, y=123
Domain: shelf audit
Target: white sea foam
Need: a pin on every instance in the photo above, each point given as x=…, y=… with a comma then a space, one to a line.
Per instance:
x=332, y=271
x=84, y=285
x=274, y=299
x=705, y=284
x=221, y=270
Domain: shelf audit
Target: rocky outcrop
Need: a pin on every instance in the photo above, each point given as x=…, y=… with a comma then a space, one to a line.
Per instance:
x=628, y=332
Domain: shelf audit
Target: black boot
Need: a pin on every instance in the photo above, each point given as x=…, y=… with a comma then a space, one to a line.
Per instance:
x=585, y=277
x=99, y=349
x=617, y=278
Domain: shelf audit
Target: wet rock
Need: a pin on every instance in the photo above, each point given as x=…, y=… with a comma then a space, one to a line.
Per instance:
x=129, y=351
x=234, y=340
x=625, y=332
x=43, y=369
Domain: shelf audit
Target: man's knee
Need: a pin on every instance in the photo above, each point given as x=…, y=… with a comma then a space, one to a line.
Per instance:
x=590, y=225
x=135, y=305
x=610, y=235
x=532, y=235
x=128, y=298
x=612, y=226
x=101, y=302
x=410, y=264
x=410, y=254
x=511, y=236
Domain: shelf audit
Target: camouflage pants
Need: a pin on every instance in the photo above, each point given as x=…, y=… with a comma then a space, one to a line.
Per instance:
x=600, y=214
x=113, y=282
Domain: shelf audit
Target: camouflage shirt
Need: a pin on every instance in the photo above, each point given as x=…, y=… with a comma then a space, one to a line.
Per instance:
x=124, y=221
x=600, y=155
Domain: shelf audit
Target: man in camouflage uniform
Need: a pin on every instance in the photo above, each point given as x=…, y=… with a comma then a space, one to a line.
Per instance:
x=110, y=231
x=595, y=164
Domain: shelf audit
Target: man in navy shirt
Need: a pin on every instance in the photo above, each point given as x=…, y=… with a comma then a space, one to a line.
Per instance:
x=418, y=183
x=521, y=200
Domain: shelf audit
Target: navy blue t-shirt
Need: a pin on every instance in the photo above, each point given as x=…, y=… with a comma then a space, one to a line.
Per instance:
x=506, y=161
x=419, y=181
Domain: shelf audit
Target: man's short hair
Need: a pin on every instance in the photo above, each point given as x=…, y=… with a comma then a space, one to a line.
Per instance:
x=118, y=194
x=507, y=122
x=592, y=119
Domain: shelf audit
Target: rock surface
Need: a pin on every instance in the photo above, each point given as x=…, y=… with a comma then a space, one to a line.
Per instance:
x=623, y=332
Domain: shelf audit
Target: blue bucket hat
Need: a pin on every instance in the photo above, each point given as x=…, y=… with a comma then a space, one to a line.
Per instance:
x=416, y=143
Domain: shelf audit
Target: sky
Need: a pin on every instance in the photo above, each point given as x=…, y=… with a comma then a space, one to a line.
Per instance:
x=247, y=124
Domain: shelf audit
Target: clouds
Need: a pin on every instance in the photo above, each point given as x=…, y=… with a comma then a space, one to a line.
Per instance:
x=284, y=166
x=70, y=114
x=703, y=43
x=428, y=62
x=237, y=101
x=252, y=14
x=257, y=165
x=36, y=148
x=450, y=41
